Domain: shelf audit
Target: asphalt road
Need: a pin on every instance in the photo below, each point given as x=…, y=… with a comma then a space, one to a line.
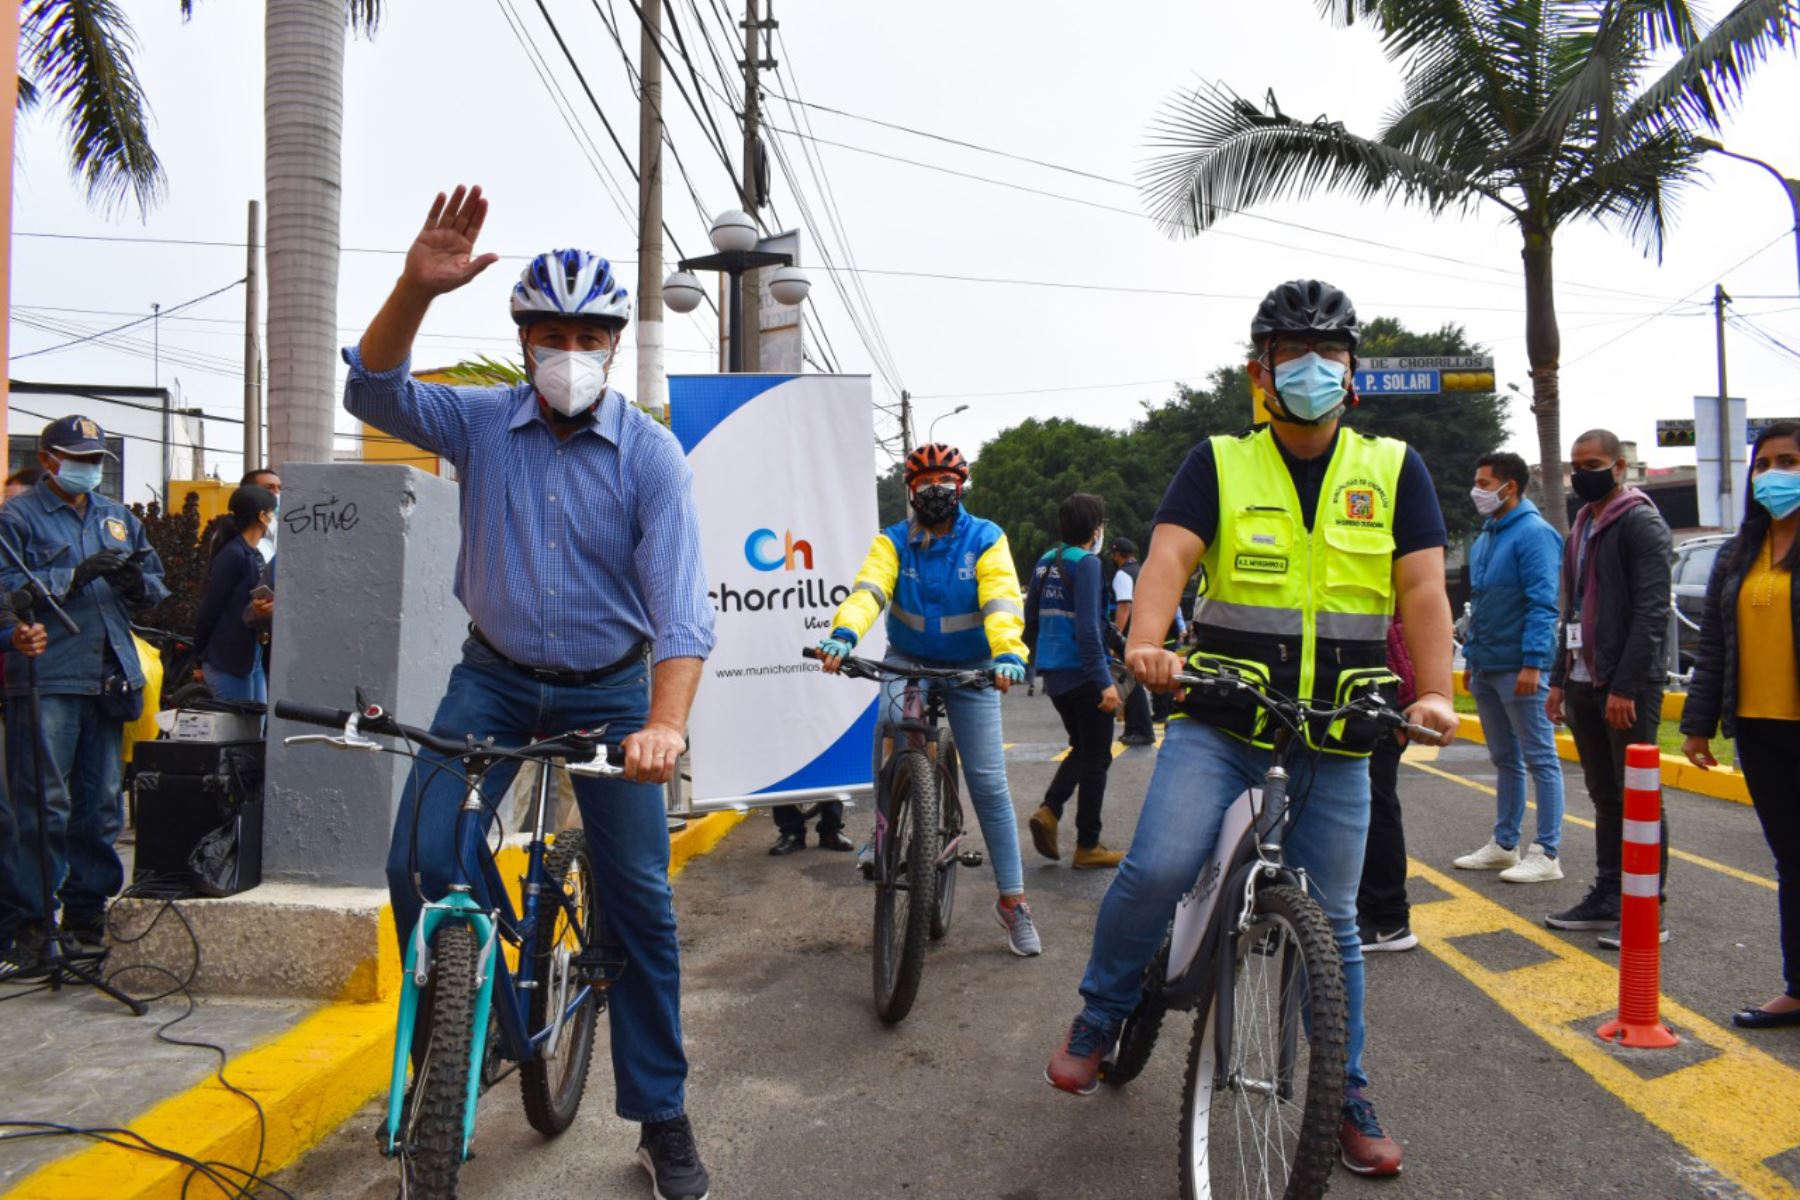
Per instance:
x=797, y=1090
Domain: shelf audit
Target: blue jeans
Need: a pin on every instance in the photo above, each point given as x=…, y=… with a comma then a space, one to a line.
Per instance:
x=980, y=745
x=627, y=835
x=1520, y=737
x=82, y=766
x=252, y=686
x=1200, y=772
x=10, y=849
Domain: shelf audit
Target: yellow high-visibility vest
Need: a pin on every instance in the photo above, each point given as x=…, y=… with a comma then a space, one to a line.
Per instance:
x=1303, y=612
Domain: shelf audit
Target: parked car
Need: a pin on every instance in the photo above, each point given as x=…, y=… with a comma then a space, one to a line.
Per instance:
x=1694, y=560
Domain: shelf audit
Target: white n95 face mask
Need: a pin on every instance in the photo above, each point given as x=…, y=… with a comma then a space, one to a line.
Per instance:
x=570, y=381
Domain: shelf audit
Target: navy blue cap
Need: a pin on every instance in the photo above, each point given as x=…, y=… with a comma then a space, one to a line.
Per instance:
x=74, y=435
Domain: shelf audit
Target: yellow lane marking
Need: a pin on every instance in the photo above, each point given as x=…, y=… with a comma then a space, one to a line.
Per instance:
x=1118, y=749
x=1683, y=855
x=1723, y=1110
x=308, y=1081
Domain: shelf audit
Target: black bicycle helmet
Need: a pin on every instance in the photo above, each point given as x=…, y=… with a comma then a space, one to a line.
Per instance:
x=1307, y=306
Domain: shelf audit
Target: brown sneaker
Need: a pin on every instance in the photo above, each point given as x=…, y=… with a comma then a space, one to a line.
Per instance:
x=1043, y=832
x=1366, y=1149
x=1097, y=858
x=1075, y=1068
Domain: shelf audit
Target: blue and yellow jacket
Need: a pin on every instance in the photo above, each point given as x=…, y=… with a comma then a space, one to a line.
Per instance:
x=950, y=599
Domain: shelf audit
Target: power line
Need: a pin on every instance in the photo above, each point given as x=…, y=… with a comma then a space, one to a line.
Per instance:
x=1112, y=181
x=129, y=324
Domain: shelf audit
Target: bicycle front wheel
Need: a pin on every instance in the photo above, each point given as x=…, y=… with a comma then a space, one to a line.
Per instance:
x=1259, y=1116
x=553, y=1084
x=906, y=898
x=433, y=1139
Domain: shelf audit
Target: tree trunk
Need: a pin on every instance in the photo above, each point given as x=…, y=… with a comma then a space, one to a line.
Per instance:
x=1543, y=349
x=303, y=113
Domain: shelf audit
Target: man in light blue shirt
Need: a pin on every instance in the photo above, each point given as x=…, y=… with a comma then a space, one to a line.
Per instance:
x=580, y=555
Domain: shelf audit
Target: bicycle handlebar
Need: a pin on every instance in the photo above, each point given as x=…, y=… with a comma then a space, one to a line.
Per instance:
x=578, y=744
x=1364, y=706
x=863, y=668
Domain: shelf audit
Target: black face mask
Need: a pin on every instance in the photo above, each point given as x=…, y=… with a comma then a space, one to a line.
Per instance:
x=935, y=504
x=1593, y=486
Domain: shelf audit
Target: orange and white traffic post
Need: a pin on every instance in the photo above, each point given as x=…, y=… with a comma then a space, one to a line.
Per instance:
x=1639, y=1022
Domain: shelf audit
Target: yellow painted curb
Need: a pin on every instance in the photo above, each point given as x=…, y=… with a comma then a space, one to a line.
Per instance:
x=308, y=1081
x=1721, y=784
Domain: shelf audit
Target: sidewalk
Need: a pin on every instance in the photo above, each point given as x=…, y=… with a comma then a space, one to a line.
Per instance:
x=80, y=1059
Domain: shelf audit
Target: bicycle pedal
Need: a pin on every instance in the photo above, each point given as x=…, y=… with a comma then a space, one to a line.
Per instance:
x=970, y=858
x=600, y=970
x=868, y=870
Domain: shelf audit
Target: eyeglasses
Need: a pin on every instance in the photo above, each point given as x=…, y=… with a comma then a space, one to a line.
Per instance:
x=1284, y=348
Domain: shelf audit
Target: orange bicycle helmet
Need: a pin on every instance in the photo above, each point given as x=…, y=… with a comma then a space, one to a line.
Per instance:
x=935, y=459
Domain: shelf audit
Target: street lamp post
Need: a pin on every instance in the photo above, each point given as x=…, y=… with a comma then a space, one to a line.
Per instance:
x=733, y=236
x=1791, y=186
x=931, y=430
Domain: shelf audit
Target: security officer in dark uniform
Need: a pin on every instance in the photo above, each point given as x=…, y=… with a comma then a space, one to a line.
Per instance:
x=90, y=552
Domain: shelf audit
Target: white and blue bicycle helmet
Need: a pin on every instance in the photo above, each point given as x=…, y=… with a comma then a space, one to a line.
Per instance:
x=570, y=283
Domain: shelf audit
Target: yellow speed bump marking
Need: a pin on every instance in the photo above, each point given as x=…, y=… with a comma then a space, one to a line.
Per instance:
x=1683, y=855
x=1723, y=1110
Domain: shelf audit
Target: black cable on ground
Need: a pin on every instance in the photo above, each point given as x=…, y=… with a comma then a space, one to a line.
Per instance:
x=219, y=1174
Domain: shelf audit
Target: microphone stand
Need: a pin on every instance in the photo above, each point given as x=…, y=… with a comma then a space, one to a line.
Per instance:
x=60, y=961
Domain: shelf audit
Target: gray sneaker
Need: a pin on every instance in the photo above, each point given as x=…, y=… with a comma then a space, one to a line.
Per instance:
x=1021, y=931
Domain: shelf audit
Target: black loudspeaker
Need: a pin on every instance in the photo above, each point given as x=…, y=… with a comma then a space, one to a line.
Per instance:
x=187, y=791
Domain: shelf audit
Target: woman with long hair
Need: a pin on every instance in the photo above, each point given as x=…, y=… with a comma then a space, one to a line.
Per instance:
x=228, y=646
x=1747, y=680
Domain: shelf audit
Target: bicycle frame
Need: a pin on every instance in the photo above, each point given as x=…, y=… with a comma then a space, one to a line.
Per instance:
x=499, y=989
x=920, y=711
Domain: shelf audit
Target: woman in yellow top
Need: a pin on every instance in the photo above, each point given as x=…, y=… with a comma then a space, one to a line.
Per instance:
x=951, y=592
x=1747, y=677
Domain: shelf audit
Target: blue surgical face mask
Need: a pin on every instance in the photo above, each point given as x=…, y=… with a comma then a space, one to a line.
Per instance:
x=78, y=478
x=1778, y=491
x=1311, y=387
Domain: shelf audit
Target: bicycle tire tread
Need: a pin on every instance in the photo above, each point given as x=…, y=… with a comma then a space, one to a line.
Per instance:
x=535, y=1084
x=434, y=1156
x=1315, y=1156
x=921, y=894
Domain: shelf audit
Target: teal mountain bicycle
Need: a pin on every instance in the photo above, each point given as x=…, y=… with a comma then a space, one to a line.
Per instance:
x=483, y=1017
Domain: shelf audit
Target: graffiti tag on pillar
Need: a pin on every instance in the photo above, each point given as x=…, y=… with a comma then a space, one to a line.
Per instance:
x=325, y=516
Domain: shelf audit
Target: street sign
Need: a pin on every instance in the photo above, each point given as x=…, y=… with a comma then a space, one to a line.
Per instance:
x=1675, y=434
x=1425, y=375
x=1754, y=427
x=1398, y=383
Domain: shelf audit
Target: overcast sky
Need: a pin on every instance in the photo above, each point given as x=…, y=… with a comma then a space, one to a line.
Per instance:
x=445, y=94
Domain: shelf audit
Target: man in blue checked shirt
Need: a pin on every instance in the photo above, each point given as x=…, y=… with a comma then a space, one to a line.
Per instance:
x=580, y=556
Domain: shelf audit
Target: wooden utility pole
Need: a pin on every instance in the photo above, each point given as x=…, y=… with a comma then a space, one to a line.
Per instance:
x=253, y=443
x=906, y=430
x=652, y=381
x=756, y=39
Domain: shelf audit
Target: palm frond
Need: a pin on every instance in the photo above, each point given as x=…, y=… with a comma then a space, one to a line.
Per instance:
x=79, y=53
x=28, y=95
x=364, y=16
x=1707, y=81
x=484, y=371
x=1634, y=191
x=1225, y=154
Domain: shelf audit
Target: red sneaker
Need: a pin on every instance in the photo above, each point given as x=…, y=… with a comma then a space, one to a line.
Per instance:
x=1075, y=1068
x=1366, y=1150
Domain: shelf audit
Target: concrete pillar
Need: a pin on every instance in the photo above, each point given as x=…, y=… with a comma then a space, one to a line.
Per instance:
x=365, y=567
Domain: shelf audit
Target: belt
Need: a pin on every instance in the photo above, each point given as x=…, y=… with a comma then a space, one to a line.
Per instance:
x=563, y=678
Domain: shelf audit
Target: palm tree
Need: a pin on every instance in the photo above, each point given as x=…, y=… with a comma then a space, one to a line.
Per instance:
x=75, y=57
x=303, y=113
x=1549, y=109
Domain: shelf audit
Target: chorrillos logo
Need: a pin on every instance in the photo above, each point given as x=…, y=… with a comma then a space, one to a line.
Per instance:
x=764, y=551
